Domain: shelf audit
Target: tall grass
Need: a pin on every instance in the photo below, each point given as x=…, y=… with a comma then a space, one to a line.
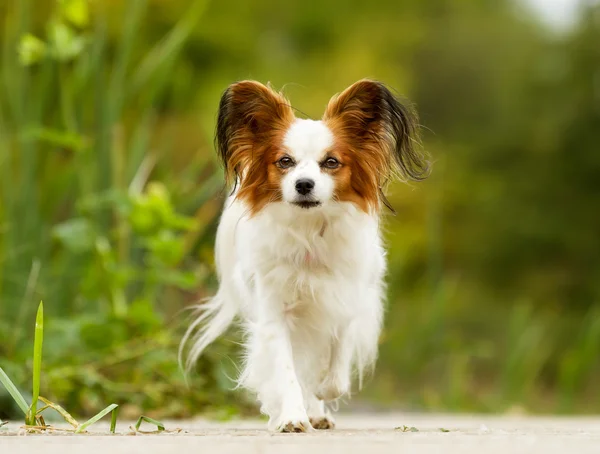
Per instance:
x=81, y=221
x=443, y=347
x=63, y=136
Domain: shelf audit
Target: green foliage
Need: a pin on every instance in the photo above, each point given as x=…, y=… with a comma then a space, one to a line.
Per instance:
x=31, y=49
x=110, y=194
x=75, y=11
x=63, y=41
x=89, y=228
x=33, y=417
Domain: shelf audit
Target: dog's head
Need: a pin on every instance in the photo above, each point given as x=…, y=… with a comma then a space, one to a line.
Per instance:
x=366, y=137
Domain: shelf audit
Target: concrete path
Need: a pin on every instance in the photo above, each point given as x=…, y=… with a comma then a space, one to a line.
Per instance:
x=355, y=433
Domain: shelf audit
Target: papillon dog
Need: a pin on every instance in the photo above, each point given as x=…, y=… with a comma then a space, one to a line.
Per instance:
x=299, y=253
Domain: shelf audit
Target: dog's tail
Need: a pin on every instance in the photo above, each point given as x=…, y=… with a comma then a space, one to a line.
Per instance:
x=214, y=316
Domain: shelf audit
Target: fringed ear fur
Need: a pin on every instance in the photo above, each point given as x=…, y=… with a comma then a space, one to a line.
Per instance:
x=380, y=130
x=367, y=120
x=250, y=116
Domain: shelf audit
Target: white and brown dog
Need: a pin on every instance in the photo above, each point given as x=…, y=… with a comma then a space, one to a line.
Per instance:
x=299, y=251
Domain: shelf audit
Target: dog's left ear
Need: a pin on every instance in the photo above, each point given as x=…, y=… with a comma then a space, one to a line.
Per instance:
x=370, y=118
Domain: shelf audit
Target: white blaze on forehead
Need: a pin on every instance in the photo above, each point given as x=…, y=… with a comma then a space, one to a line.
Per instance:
x=308, y=139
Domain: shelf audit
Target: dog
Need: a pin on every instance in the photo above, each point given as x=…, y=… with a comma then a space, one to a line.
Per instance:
x=299, y=252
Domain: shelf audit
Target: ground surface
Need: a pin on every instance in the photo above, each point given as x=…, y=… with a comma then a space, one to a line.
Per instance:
x=355, y=433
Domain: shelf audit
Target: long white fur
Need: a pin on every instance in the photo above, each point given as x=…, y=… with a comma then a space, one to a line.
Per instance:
x=307, y=286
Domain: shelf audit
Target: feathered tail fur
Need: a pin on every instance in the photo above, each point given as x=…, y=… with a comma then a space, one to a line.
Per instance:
x=214, y=316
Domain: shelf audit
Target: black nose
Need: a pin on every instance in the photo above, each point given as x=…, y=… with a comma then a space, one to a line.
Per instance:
x=304, y=186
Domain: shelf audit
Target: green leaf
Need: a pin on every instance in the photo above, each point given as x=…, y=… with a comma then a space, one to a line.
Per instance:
x=57, y=138
x=143, y=316
x=113, y=420
x=37, y=360
x=159, y=425
x=112, y=199
x=186, y=280
x=98, y=417
x=166, y=247
x=143, y=218
x=31, y=50
x=65, y=44
x=179, y=222
x=77, y=235
x=76, y=12
x=102, y=334
x=14, y=392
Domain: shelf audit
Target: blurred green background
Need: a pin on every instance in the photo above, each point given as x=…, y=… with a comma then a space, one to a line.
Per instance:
x=110, y=193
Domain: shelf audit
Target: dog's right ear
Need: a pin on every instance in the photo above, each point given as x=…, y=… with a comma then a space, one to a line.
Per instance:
x=250, y=115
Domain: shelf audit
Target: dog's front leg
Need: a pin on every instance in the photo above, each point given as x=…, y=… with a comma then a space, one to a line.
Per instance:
x=336, y=382
x=354, y=345
x=271, y=366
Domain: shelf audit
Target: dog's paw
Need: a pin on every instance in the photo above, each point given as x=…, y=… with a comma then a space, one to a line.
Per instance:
x=297, y=426
x=322, y=423
x=332, y=389
x=291, y=421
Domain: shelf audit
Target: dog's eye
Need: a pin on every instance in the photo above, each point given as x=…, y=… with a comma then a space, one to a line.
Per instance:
x=286, y=162
x=331, y=163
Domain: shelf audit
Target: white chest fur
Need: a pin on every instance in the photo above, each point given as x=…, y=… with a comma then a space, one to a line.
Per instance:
x=319, y=258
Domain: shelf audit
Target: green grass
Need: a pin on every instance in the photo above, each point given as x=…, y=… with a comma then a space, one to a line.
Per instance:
x=14, y=392
x=94, y=419
x=33, y=417
x=82, y=137
x=37, y=362
x=159, y=426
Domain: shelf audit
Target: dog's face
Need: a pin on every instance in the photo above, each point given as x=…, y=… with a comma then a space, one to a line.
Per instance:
x=366, y=135
x=307, y=165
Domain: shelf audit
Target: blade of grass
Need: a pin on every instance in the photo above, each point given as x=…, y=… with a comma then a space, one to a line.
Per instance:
x=159, y=425
x=98, y=417
x=14, y=392
x=60, y=410
x=170, y=45
x=37, y=361
x=113, y=420
x=133, y=18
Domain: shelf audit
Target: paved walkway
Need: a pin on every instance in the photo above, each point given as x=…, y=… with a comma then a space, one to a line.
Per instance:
x=355, y=433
